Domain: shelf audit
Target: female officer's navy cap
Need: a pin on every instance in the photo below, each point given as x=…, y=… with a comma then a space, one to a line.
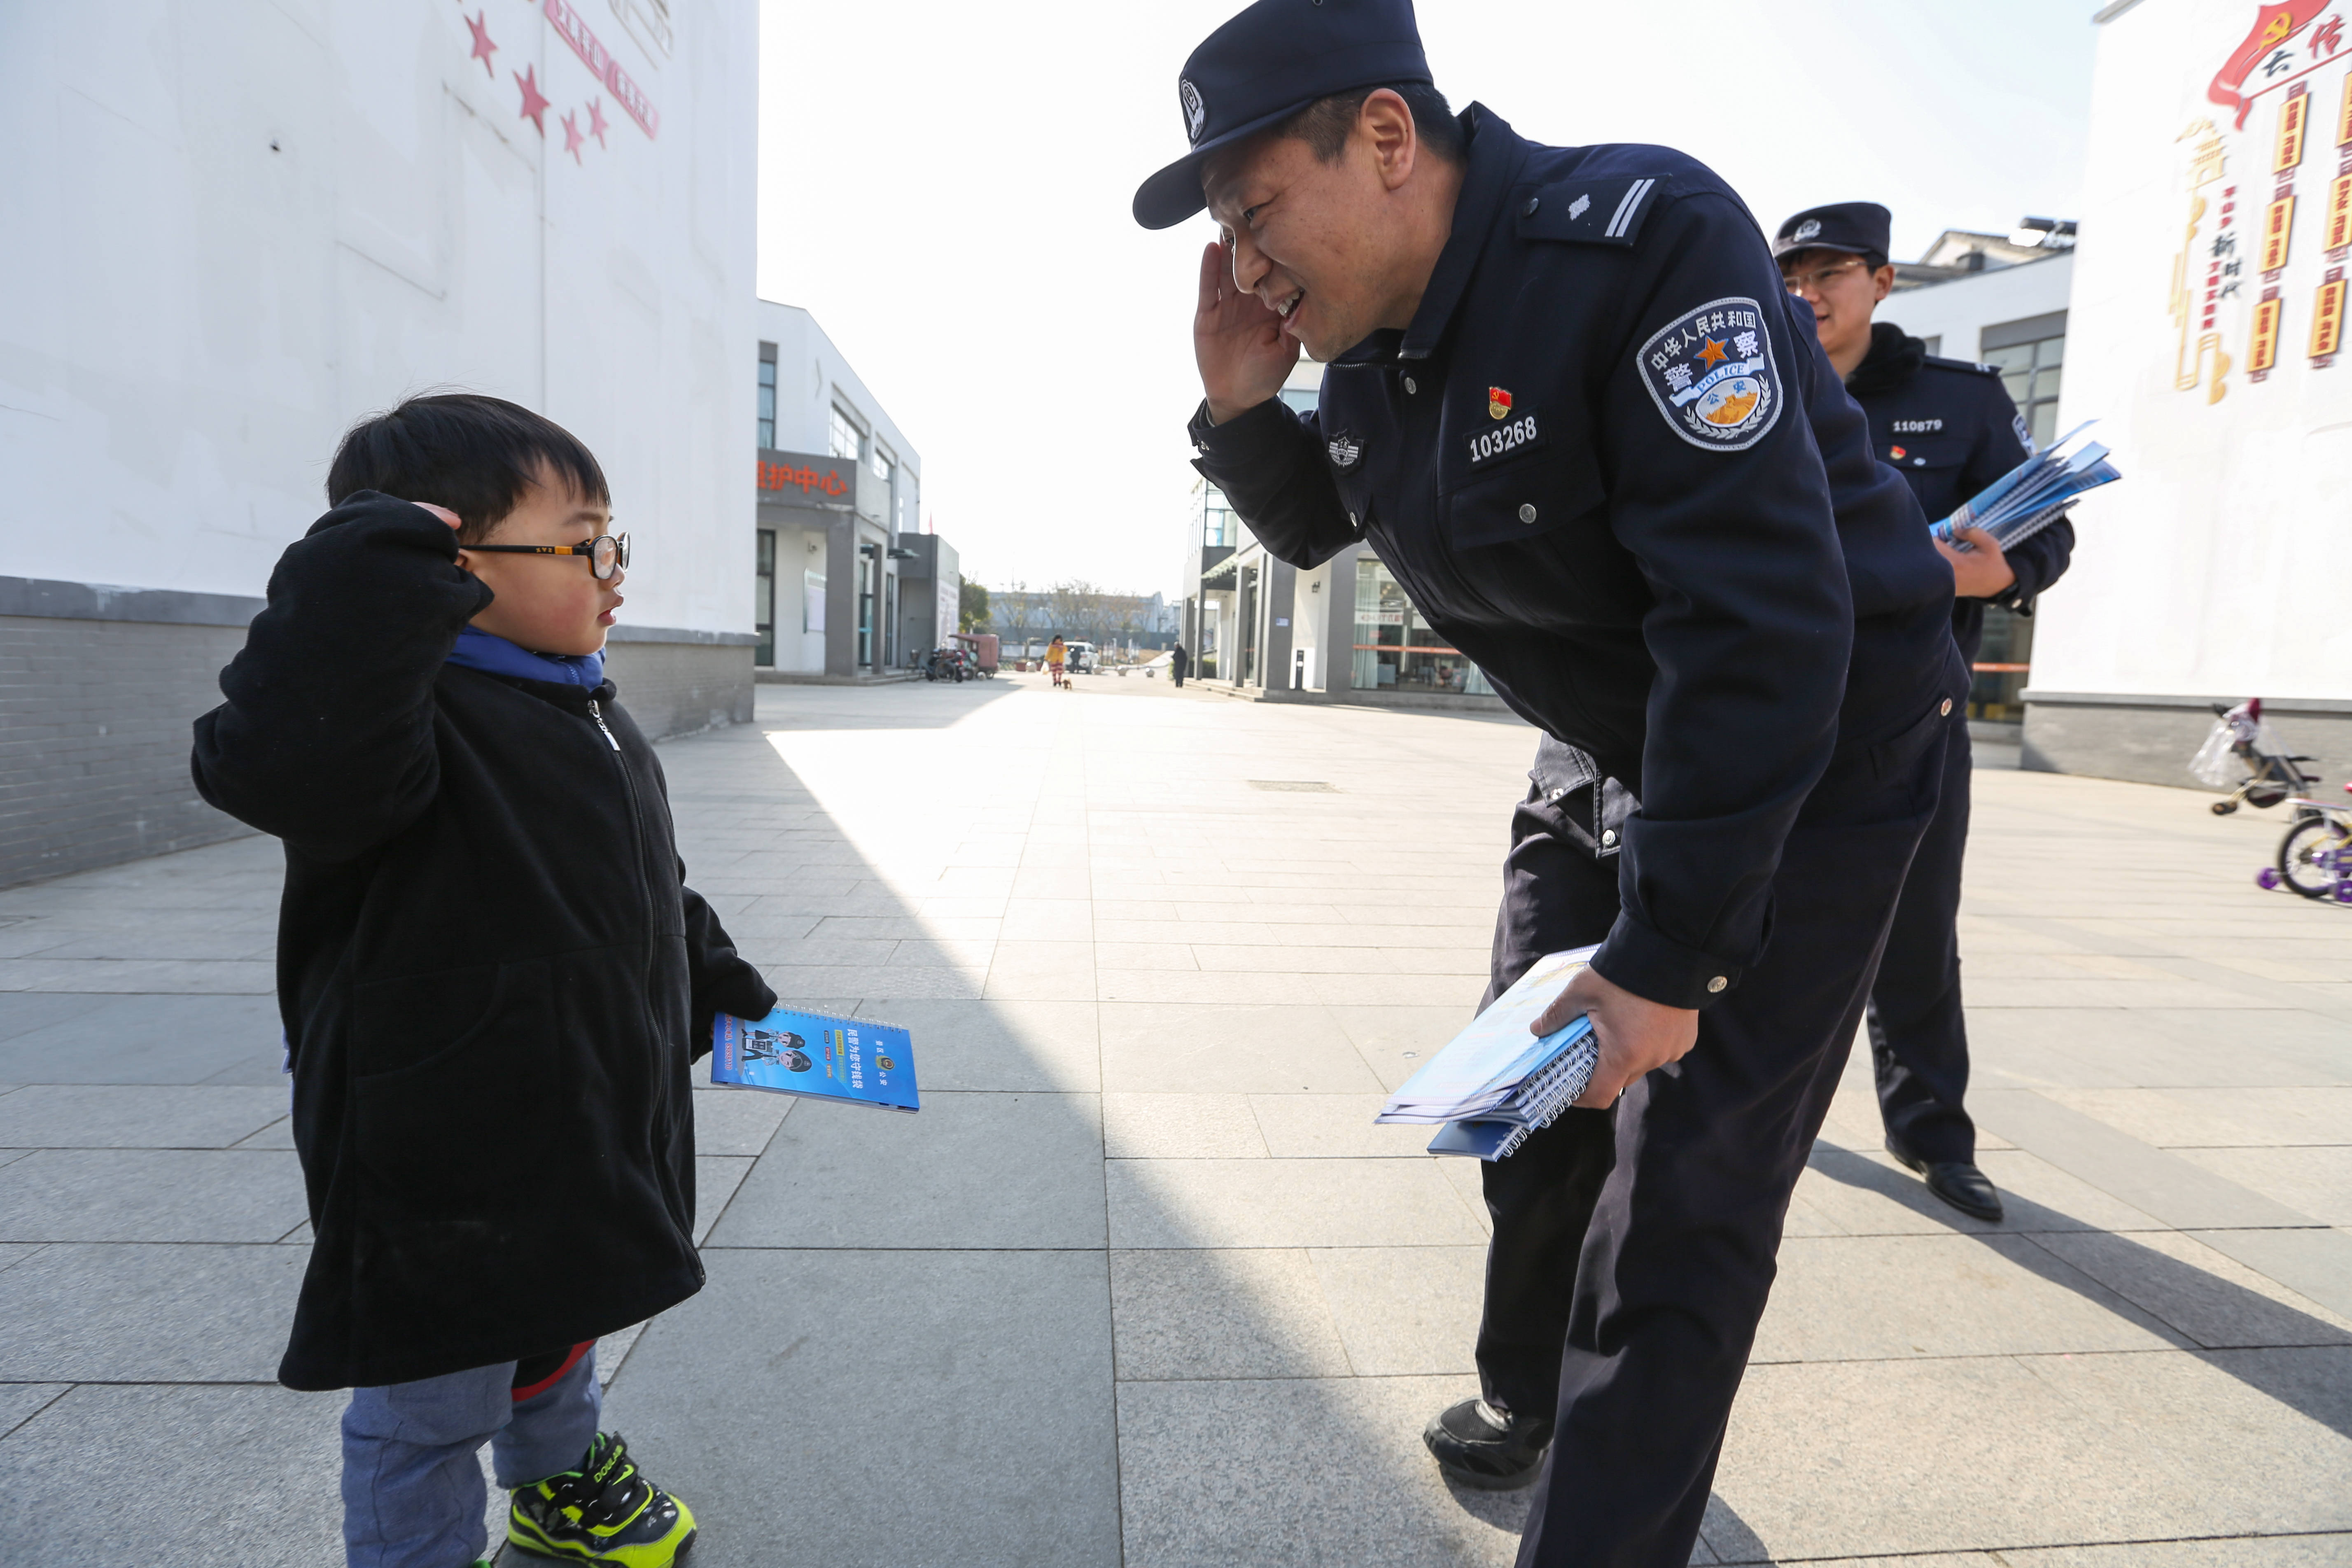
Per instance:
x=1265, y=65
x=1861, y=228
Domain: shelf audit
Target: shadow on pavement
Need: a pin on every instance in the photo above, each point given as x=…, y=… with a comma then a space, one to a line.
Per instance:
x=2210, y=1316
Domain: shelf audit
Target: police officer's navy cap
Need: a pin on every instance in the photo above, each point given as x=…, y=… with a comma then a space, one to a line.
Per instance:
x=1862, y=228
x=1265, y=65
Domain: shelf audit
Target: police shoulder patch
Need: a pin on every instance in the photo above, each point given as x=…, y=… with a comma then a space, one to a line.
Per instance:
x=1711, y=373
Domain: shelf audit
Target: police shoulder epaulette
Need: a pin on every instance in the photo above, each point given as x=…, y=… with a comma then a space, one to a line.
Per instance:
x=1940, y=363
x=1605, y=211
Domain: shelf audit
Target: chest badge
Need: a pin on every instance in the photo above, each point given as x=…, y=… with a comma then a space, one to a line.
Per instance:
x=1345, y=450
x=1498, y=403
x=1711, y=373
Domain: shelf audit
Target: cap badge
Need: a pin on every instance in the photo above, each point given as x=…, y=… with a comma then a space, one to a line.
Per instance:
x=1809, y=229
x=1196, y=113
x=1576, y=208
x=1346, y=451
x=1498, y=403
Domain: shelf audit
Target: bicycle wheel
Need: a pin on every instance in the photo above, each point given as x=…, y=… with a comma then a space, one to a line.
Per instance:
x=2308, y=856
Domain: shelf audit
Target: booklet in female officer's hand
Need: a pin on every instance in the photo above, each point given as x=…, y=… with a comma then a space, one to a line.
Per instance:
x=855, y=1061
x=1498, y=1081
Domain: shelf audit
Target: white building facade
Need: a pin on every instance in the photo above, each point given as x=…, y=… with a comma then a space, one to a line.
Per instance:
x=835, y=592
x=2205, y=335
x=237, y=227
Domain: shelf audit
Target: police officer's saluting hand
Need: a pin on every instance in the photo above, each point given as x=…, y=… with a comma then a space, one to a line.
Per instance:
x=1948, y=428
x=1570, y=403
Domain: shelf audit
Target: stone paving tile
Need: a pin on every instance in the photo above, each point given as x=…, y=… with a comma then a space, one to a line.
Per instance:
x=228, y=1475
x=1283, y=1203
x=1180, y=1127
x=1989, y=1449
x=1306, y=1470
x=135, y=1116
x=971, y=1170
x=20, y=1402
x=2317, y=1182
x=1333, y=1127
x=1189, y=1048
x=1201, y=1312
x=741, y=1398
x=149, y=1313
x=2217, y=1301
x=1404, y=1312
x=150, y=1195
x=87, y=1039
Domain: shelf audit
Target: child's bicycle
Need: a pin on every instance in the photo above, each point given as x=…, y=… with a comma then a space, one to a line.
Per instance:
x=2315, y=858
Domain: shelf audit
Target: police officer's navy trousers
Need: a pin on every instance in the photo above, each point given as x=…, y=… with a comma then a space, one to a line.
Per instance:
x=1634, y=1247
x=1918, y=1038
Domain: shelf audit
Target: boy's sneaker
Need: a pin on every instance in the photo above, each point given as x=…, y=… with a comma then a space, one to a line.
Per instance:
x=604, y=1512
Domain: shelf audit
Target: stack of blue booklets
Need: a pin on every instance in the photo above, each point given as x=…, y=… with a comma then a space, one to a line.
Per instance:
x=855, y=1062
x=1498, y=1081
x=2034, y=494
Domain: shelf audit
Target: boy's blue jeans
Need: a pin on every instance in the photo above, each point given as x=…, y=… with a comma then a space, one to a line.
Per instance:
x=412, y=1492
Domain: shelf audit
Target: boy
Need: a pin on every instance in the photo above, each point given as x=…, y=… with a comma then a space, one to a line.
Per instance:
x=492, y=979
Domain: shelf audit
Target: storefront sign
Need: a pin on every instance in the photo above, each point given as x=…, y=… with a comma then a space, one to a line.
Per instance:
x=796, y=478
x=566, y=20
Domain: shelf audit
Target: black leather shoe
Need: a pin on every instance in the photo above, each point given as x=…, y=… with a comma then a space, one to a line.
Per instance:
x=1958, y=1182
x=1491, y=1450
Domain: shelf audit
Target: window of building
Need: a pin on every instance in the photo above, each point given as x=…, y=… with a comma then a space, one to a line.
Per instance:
x=1395, y=650
x=763, y=598
x=812, y=602
x=2031, y=356
x=1220, y=527
x=767, y=395
x=843, y=437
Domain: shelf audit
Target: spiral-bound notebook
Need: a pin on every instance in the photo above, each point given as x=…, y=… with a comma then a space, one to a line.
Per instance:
x=853, y=1060
x=1498, y=1081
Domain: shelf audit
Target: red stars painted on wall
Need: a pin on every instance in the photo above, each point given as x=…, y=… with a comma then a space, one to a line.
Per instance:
x=567, y=23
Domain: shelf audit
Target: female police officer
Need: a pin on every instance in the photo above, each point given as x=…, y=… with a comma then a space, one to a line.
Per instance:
x=1570, y=405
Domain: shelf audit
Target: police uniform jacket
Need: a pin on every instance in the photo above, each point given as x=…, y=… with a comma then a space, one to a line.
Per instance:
x=1949, y=427
x=1609, y=463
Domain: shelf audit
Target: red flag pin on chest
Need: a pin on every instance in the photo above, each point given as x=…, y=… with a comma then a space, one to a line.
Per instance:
x=1498, y=403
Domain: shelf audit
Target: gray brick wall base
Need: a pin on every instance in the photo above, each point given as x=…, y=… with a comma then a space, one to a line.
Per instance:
x=94, y=716
x=2151, y=741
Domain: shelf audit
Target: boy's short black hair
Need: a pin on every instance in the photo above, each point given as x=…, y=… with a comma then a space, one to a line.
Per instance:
x=1327, y=122
x=476, y=455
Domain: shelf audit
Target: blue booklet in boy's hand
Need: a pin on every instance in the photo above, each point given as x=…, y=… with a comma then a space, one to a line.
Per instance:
x=853, y=1060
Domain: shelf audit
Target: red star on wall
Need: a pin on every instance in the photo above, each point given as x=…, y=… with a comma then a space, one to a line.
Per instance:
x=571, y=138
x=534, y=102
x=483, y=48
x=1713, y=354
x=596, y=125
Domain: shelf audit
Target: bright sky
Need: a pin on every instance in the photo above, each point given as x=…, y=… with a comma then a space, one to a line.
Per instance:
x=946, y=185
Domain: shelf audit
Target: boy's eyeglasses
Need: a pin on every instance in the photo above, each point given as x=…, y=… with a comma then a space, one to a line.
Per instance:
x=1820, y=277
x=607, y=553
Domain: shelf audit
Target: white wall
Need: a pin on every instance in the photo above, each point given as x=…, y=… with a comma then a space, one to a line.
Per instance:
x=2210, y=569
x=1958, y=311
x=234, y=225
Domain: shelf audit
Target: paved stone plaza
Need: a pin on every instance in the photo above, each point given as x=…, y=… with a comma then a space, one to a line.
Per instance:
x=1143, y=1284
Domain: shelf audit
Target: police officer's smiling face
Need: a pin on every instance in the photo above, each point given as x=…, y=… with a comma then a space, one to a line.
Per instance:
x=1336, y=249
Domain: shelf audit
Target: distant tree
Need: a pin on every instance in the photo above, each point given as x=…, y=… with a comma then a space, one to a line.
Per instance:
x=972, y=603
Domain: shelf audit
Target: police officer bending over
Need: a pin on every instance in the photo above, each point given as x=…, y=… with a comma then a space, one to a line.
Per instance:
x=1571, y=405
x=1949, y=426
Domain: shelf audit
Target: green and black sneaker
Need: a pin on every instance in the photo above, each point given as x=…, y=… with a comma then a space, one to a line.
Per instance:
x=604, y=1512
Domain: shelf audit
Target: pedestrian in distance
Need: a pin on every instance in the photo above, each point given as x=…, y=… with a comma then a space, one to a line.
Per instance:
x=1180, y=664
x=493, y=979
x=1950, y=428
x=1057, y=654
x=1570, y=402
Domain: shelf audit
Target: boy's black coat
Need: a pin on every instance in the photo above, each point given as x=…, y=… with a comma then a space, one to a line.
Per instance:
x=493, y=980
